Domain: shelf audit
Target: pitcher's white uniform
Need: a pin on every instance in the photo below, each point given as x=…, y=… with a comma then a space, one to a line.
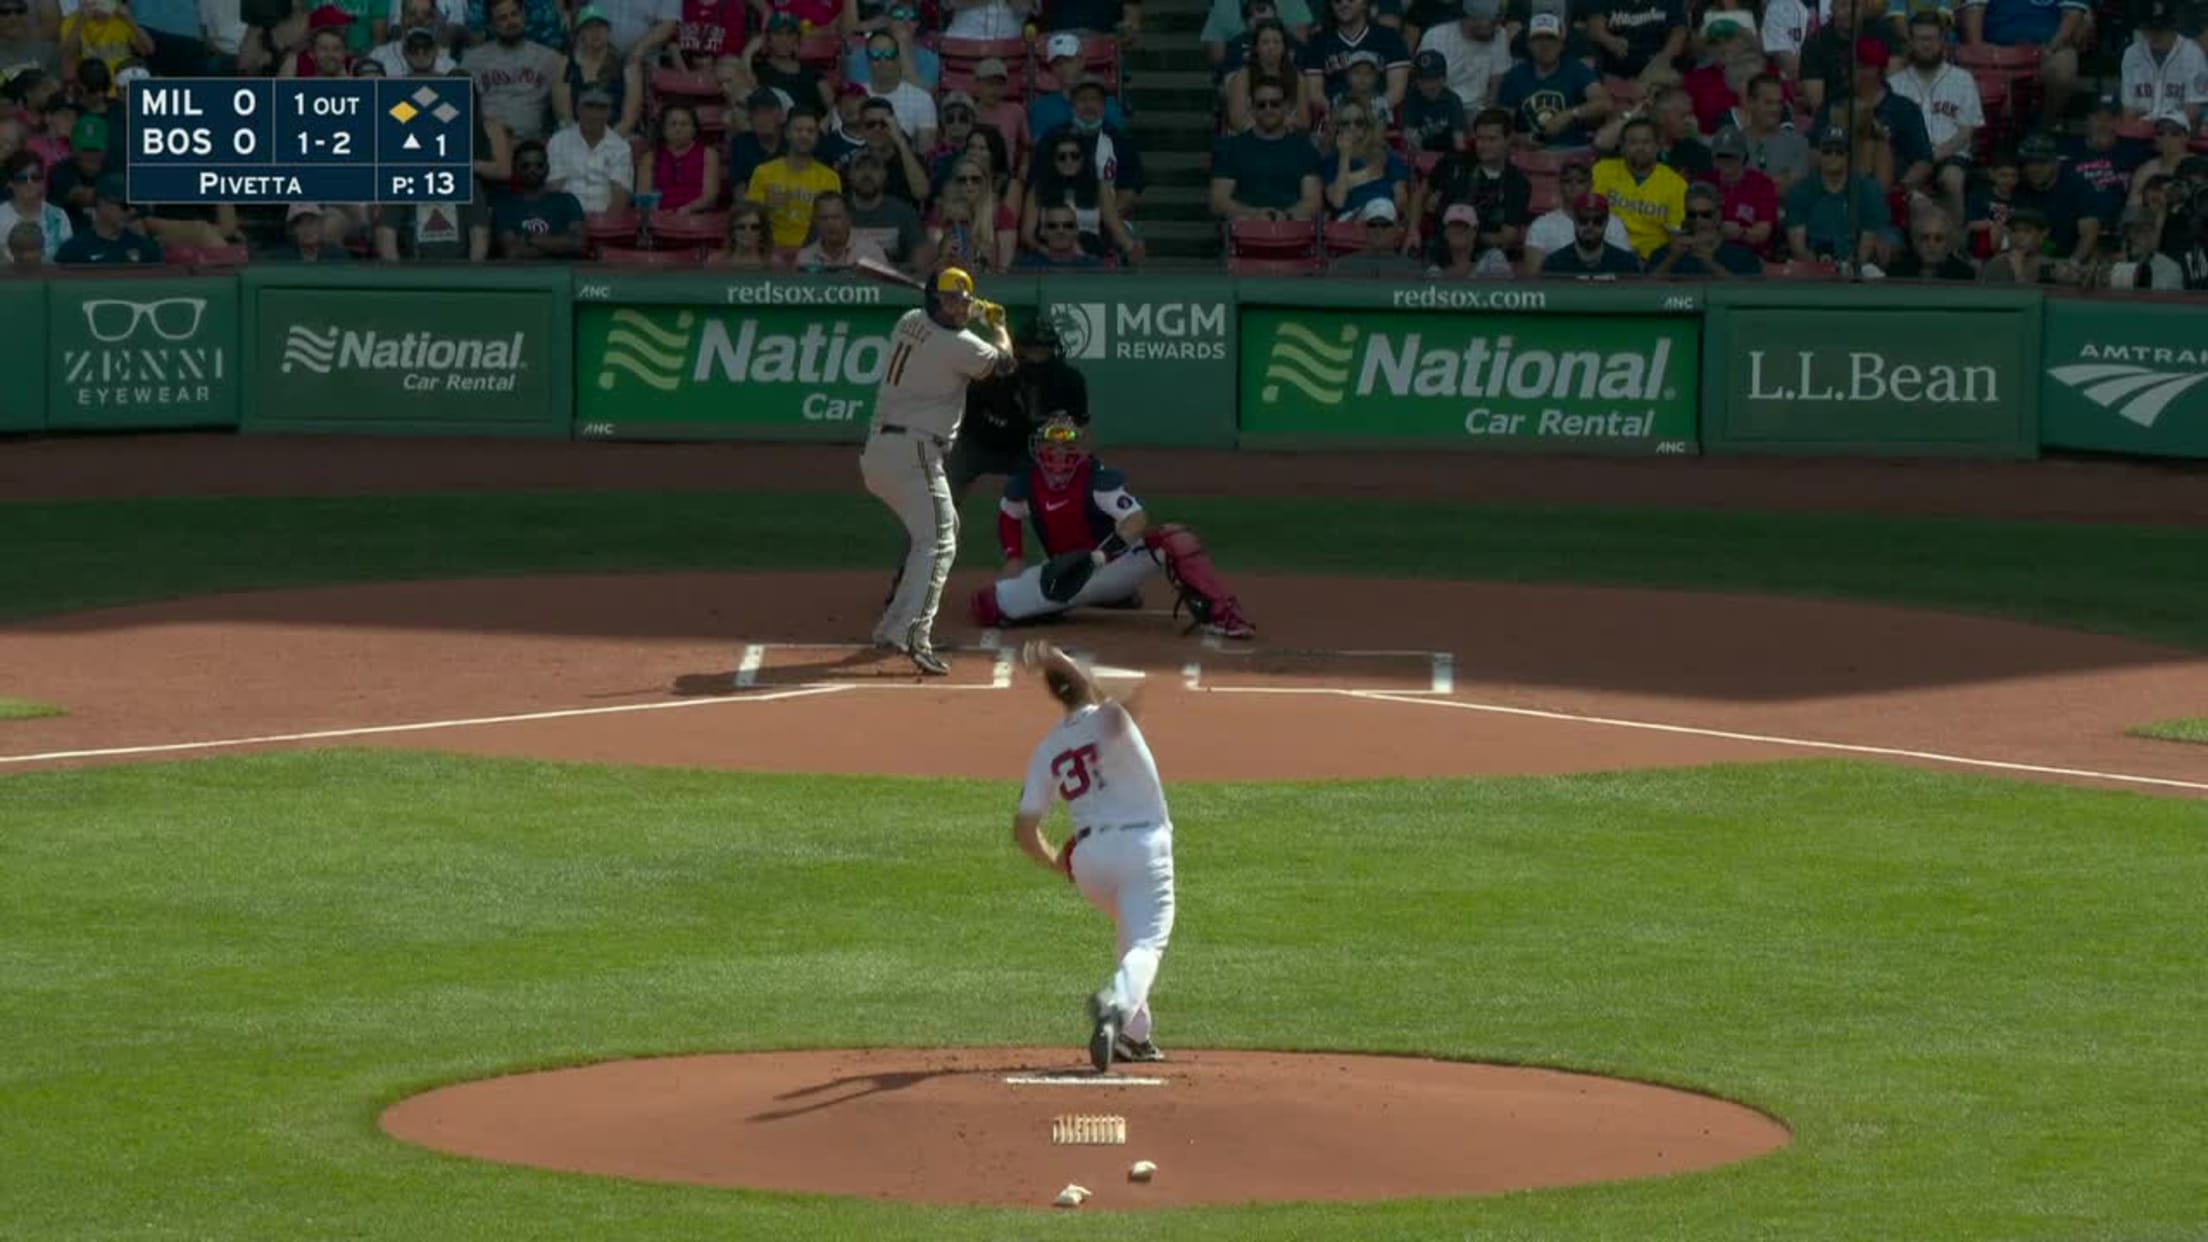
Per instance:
x=916, y=413
x=1122, y=845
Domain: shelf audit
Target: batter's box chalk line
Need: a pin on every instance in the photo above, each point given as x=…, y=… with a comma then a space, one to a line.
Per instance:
x=1082, y=1080
x=754, y=657
x=1441, y=666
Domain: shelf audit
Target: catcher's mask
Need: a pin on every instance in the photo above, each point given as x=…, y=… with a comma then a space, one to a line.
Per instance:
x=1059, y=448
x=950, y=297
x=1038, y=340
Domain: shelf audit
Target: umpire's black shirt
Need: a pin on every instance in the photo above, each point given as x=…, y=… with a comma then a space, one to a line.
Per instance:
x=1002, y=412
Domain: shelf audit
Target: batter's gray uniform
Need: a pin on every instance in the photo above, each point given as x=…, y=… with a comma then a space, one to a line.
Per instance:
x=916, y=416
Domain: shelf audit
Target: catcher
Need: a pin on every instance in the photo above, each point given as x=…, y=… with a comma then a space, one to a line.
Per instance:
x=1098, y=541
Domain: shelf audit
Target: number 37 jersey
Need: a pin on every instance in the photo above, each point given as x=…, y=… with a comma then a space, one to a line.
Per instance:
x=1096, y=759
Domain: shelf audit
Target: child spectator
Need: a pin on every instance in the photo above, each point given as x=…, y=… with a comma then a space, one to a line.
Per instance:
x=1361, y=86
x=1433, y=115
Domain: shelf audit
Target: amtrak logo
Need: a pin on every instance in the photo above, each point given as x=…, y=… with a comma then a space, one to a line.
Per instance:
x=2114, y=379
x=1081, y=330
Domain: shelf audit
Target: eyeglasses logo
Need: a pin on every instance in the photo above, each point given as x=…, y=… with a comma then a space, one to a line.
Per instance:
x=110, y=320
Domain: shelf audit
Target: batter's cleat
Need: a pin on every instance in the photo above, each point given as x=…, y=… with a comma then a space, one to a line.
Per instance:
x=925, y=659
x=1127, y=1048
x=1104, y=1035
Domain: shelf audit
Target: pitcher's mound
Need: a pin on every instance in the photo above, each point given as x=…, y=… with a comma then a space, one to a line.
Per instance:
x=975, y=1126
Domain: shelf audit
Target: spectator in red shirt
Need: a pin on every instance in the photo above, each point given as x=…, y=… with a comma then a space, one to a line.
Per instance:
x=328, y=53
x=1736, y=56
x=1750, y=206
x=711, y=31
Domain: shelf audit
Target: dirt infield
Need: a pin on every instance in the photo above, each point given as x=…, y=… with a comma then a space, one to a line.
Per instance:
x=974, y=1126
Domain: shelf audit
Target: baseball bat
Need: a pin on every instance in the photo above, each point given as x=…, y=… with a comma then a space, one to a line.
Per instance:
x=871, y=266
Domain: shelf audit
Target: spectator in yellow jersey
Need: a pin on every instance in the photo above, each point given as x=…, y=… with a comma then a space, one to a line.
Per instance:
x=1650, y=198
x=788, y=185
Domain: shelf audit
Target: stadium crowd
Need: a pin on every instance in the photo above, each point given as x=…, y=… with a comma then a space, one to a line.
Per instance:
x=1475, y=139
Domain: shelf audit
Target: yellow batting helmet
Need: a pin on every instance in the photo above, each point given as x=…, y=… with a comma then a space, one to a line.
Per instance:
x=952, y=281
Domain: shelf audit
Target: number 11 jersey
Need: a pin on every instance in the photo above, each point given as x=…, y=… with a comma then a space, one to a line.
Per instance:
x=1107, y=781
x=924, y=378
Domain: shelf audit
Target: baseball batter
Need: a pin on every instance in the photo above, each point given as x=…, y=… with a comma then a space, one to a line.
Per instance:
x=1120, y=853
x=933, y=355
x=1097, y=539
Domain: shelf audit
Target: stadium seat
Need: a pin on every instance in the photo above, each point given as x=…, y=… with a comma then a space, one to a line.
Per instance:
x=677, y=230
x=1976, y=56
x=1537, y=163
x=821, y=50
x=1340, y=237
x=1273, y=267
x=1424, y=162
x=1271, y=239
x=618, y=227
x=964, y=54
x=712, y=122
x=1544, y=196
x=670, y=84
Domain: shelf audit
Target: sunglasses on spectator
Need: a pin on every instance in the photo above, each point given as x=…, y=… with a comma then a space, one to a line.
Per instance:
x=1059, y=226
x=881, y=53
x=29, y=175
x=1701, y=215
x=1068, y=156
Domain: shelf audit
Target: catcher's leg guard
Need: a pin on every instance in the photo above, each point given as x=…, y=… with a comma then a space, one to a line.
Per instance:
x=988, y=614
x=1201, y=590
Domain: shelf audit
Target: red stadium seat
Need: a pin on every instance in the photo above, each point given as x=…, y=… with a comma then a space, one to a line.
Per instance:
x=964, y=54
x=677, y=230
x=1537, y=163
x=1545, y=195
x=712, y=121
x=820, y=49
x=1272, y=239
x=1273, y=267
x=668, y=85
x=1340, y=237
x=1975, y=56
x=611, y=226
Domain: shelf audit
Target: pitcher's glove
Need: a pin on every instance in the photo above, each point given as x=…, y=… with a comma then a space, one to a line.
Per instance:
x=1064, y=575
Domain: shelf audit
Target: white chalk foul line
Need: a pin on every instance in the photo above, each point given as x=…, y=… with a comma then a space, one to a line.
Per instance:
x=422, y=726
x=1852, y=748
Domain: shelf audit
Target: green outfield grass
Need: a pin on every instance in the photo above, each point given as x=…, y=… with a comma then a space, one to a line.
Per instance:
x=1976, y=1001
x=2191, y=729
x=2147, y=581
x=24, y=709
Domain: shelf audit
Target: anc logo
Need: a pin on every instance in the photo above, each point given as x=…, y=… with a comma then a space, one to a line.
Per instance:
x=653, y=353
x=2136, y=393
x=1309, y=363
x=1081, y=331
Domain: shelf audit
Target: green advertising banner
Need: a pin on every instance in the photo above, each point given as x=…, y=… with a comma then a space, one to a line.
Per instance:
x=704, y=373
x=1561, y=384
x=702, y=357
x=414, y=356
x=1843, y=370
x=23, y=326
x=126, y=354
x=1158, y=355
x=2125, y=375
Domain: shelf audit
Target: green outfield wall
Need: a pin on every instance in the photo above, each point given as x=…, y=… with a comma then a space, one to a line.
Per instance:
x=1621, y=368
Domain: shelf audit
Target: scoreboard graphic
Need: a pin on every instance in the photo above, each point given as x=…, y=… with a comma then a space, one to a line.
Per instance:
x=247, y=141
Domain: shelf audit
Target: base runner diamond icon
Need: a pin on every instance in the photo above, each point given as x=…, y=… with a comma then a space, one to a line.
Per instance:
x=404, y=111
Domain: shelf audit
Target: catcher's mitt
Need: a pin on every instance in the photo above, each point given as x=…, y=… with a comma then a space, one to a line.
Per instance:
x=1065, y=575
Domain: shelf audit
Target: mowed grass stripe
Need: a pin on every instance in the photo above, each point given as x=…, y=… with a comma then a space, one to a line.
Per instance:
x=2146, y=581
x=1975, y=1000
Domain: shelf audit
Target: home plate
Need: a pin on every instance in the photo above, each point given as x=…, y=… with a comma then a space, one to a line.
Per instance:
x=1081, y=1080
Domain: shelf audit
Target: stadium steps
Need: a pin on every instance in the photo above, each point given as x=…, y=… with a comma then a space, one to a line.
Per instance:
x=1173, y=109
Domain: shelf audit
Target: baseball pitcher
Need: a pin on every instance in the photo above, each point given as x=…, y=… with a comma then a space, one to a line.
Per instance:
x=1097, y=541
x=932, y=357
x=1120, y=853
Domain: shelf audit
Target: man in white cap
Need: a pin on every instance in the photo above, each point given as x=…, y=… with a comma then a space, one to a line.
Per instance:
x=308, y=243
x=1383, y=256
x=1558, y=100
x=1046, y=112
